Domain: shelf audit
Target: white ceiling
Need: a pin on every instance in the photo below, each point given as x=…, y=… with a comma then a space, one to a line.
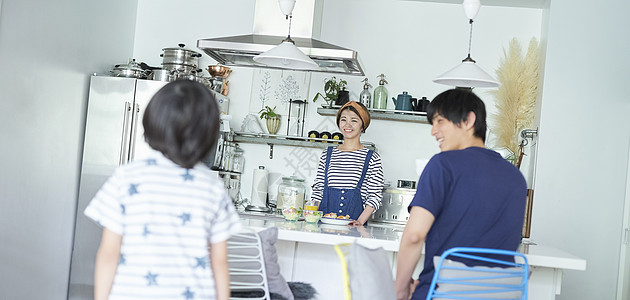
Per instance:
x=507, y=3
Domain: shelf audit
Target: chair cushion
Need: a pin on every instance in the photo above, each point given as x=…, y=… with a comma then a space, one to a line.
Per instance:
x=476, y=272
x=277, y=283
x=370, y=274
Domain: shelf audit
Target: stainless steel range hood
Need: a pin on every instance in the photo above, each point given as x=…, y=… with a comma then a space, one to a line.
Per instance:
x=268, y=33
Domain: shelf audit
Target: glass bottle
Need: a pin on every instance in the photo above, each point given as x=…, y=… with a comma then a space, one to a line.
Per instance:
x=291, y=193
x=366, y=97
x=238, y=160
x=380, y=94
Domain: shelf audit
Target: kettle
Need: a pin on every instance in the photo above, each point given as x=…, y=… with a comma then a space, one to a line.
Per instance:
x=403, y=102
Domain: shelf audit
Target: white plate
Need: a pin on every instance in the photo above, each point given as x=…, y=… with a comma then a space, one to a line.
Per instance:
x=334, y=221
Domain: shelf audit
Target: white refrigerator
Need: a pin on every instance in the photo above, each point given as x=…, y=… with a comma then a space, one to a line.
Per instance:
x=113, y=136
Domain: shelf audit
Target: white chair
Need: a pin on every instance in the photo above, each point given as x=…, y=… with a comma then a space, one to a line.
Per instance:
x=455, y=280
x=248, y=277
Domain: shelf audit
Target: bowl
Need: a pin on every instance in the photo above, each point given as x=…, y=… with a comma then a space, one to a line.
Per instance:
x=290, y=213
x=219, y=71
x=311, y=216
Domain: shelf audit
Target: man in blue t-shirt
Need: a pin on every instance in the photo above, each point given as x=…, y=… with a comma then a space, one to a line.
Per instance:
x=467, y=195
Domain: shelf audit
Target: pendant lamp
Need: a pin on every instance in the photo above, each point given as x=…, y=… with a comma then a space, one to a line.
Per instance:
x=286, y=55
x=468, y=73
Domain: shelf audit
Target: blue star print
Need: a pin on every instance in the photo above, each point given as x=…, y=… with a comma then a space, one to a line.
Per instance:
x=151, y=278
x=185, y=218
x=133, y=189
x=187, y=176
x=146, y=230
x=151, y=162
x=122, y=209
x=122, y=259
x=188, y=294
x=202, y=262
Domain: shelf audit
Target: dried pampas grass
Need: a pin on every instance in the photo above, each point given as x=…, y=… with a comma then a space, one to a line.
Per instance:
x=516, y=97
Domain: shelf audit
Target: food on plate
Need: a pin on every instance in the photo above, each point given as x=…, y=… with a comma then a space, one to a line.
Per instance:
x=335, y=216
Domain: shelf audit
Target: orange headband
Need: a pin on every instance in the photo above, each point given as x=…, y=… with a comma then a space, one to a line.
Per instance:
x=364, y=114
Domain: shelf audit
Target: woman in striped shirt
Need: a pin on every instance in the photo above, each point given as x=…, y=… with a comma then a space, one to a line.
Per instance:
x=349, y=178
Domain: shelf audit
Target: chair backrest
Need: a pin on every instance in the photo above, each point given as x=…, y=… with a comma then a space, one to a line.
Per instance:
x=248, y=277
x=367, y=272
x=506, y=279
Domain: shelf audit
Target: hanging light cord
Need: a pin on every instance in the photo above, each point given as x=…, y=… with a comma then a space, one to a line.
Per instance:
x=468, y=58
x=288, y=39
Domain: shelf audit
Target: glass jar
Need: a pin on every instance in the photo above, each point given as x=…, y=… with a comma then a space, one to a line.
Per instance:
x=291, y=193
x=238, y=160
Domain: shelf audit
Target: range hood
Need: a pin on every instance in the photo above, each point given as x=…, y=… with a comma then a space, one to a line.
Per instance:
x=270, y=28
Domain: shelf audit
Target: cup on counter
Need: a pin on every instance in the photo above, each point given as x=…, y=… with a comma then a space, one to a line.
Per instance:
x=312, y=205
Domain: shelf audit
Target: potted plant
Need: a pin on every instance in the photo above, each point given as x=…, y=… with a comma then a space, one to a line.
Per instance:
x=272, y=119
x=332, y=87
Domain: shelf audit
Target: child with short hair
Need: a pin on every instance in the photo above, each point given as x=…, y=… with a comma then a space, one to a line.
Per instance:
x=167, y=218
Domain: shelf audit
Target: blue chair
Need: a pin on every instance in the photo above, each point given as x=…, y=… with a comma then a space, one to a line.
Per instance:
x=455, y=280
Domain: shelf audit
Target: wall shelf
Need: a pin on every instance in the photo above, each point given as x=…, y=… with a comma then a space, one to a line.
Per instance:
x=296, y=141
x=384, y=114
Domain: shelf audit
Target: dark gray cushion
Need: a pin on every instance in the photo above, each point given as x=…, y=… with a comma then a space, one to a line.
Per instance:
x=277, y=283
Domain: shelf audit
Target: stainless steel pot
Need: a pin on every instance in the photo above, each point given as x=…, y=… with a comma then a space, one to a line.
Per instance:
x=180, y=56
x=163, y=75
x=182, y=69
x=131, y=69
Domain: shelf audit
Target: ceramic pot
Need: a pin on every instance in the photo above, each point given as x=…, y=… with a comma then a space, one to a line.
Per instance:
x=273, y=124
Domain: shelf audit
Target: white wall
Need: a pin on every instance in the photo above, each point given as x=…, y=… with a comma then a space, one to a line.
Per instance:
x=411, y=42
x=583, y=145
x=48, y=49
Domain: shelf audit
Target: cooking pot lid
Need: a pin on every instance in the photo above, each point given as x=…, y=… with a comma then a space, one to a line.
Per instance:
x=132, y=65
x=181, y=47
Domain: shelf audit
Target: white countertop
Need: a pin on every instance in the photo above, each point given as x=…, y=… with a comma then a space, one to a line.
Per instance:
x=388, y=237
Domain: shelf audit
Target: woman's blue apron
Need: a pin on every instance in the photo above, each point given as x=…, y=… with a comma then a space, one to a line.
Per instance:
x=343, y=201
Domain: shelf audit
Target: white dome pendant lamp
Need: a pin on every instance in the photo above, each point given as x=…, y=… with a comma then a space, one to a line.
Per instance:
x=286, y=55
x=468, y=73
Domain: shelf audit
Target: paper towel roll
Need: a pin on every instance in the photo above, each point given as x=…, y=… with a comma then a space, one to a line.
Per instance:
x=260, y=187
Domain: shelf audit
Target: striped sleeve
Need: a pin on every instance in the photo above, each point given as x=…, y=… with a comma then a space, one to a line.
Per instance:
x=372, y=190
x=318, y=183
x=226, y=221
x=106, y=207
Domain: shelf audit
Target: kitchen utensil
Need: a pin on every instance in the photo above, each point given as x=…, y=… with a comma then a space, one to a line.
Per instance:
x=219, y=70
x=403, y=102
x=162, y=75
x=394, y=206
x=131, y=69
x=180, y=56
x=423, y=104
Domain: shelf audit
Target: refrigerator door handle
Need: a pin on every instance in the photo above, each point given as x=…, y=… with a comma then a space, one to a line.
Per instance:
x=134, y=126
x=124, y=140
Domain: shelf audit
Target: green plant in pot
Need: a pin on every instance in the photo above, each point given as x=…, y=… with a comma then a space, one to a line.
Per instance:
x=272, y=118
x=332, y=87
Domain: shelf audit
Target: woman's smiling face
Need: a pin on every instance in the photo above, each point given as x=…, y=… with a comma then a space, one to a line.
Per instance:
x=350, y=124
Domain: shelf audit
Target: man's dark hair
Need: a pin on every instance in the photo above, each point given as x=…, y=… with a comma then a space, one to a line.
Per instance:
x=182, y=122
x=455, y=104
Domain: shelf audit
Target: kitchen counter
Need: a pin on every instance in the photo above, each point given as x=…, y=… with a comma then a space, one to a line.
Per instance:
x=303, y=245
